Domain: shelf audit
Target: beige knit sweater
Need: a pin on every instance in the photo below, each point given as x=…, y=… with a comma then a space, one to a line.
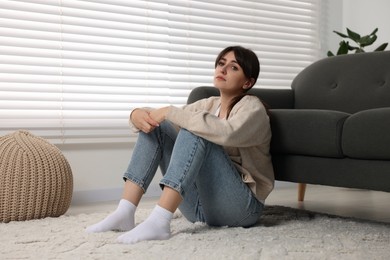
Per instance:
x=245, y=135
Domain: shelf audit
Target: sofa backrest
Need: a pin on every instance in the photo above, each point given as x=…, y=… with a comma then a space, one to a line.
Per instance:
x=347, y=83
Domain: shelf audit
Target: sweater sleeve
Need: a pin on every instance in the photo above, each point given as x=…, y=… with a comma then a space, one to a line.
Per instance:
x=247, y=125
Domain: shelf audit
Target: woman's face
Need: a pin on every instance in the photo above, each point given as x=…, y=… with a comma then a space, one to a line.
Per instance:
x=229, y=76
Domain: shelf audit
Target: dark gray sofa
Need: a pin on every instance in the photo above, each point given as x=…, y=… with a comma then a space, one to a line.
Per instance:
x=333, y=126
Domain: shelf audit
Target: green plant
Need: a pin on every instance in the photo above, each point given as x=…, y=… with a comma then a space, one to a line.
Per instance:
x=361, y=42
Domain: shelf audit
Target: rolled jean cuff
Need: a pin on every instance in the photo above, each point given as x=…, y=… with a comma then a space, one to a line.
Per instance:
x=171, y=185
x=135, y=181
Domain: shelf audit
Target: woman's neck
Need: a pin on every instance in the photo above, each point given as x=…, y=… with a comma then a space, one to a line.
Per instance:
x=226, y=100
x=224, y=105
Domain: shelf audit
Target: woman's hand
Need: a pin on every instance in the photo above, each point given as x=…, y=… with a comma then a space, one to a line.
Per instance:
x=142, y=119
x=160, y=114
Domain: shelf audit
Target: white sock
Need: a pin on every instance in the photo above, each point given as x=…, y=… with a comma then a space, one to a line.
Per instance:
x=156, y=227
x=122, y=219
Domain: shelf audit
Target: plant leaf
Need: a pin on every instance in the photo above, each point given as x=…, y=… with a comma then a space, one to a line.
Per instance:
x=374, y=32
x=330, y=54
x=354, y=36
x=343, y=48
x=341, y=34
x=382, y=47
x=367, y=40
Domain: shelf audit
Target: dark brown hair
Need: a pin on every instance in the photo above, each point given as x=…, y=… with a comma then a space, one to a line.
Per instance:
x=249, y=63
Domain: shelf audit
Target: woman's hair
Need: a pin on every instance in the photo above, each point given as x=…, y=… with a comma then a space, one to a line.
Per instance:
x=249, y=63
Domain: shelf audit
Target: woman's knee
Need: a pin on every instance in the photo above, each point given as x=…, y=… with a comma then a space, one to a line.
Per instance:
x=190, y=137
x=168, y=129
x=186, y=133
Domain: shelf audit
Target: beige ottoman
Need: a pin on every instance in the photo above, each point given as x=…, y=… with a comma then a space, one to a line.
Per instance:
x=35, y=178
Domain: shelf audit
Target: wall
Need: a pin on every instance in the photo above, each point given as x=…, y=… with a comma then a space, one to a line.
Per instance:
x=98, y=168
x=333, y=14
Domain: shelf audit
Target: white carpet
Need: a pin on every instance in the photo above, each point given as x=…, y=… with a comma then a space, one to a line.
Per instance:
x=282, y=233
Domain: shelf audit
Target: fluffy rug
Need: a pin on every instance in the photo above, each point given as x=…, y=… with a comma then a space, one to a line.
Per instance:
x=282, y=233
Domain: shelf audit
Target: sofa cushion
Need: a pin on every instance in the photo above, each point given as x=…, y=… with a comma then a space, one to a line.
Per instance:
x=307, y=132
x=366, y=135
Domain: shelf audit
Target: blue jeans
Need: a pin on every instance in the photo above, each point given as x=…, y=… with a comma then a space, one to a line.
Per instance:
x=201, y=171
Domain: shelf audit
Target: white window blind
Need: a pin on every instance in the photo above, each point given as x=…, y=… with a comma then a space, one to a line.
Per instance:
x=70, y=71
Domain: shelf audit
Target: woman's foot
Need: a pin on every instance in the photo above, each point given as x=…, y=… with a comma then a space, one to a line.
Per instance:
x=122, y=219
x=156, y=227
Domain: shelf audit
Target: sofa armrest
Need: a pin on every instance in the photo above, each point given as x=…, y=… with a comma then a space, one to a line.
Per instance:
x=307, y=132
x=366, y=134
x=273, y=98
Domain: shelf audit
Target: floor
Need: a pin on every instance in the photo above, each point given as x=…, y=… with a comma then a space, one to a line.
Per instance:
x=363, y=204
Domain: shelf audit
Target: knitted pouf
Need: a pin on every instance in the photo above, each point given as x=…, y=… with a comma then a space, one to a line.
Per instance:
x=35, y=178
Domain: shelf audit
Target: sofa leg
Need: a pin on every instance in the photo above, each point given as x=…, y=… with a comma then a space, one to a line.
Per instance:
x=301, y=191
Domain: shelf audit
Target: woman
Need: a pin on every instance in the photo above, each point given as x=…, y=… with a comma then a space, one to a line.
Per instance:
x=214, y=156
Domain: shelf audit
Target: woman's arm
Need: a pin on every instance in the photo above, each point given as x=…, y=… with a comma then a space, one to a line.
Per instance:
x=159, y=114
x=146, y=119
x=247, y=125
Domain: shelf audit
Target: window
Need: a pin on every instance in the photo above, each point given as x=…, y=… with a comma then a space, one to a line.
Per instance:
x=72, y=70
